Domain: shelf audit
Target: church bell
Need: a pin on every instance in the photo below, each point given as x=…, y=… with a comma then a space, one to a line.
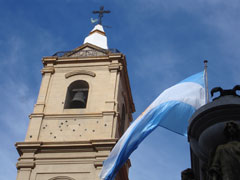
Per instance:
x=79, y=99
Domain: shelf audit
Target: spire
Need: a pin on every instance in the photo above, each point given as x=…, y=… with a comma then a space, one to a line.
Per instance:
x=97, y=37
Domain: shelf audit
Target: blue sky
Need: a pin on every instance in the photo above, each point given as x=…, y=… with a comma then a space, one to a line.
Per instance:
x=164, y=41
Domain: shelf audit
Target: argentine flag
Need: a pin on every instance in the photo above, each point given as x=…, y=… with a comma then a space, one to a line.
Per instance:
x=172, y=109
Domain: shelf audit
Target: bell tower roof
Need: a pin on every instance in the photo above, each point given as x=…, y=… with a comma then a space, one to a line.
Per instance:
x=97, y=37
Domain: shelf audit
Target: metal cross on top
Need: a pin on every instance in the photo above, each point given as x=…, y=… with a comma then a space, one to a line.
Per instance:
x=101, y=12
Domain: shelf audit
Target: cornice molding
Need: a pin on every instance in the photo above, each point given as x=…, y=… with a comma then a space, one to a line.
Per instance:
x=66, y=146
x=23, y=164
x=48, y=70
x=115, y=66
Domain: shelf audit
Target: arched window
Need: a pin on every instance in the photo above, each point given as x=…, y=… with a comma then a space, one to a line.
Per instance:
x=77, y=95
x=122, y=124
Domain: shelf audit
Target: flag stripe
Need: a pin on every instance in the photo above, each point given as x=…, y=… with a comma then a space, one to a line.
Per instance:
x=197, y=78
x=188, y=92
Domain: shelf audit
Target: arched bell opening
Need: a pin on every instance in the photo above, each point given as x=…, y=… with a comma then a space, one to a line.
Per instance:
x=77, y=95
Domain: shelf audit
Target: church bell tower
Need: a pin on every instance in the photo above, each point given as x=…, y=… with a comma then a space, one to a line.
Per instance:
x=84, y=106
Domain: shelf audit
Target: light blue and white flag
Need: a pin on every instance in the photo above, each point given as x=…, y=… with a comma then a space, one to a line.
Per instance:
x=172, y=109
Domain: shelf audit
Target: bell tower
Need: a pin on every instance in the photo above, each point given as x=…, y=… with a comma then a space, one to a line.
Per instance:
x=84, y=106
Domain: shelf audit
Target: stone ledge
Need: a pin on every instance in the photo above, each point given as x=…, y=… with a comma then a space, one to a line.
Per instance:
x=48, y=70
x=25, y=165
x=70, y=146
x=114, y=66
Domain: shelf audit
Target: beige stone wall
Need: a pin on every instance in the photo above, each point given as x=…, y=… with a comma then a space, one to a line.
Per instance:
x=73, y=129
x=76, y=124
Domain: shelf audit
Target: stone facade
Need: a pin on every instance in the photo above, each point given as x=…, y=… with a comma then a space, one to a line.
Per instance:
x=71, y=143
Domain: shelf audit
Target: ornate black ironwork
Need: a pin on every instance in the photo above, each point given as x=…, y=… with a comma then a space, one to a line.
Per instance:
x=83, y=53
x=114, y=50
x=60, y=53
x=225, y=92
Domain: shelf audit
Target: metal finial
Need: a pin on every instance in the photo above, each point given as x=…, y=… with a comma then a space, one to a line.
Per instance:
x=101, y=12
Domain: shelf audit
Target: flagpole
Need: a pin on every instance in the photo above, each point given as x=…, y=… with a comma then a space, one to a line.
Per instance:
x=206, y=80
